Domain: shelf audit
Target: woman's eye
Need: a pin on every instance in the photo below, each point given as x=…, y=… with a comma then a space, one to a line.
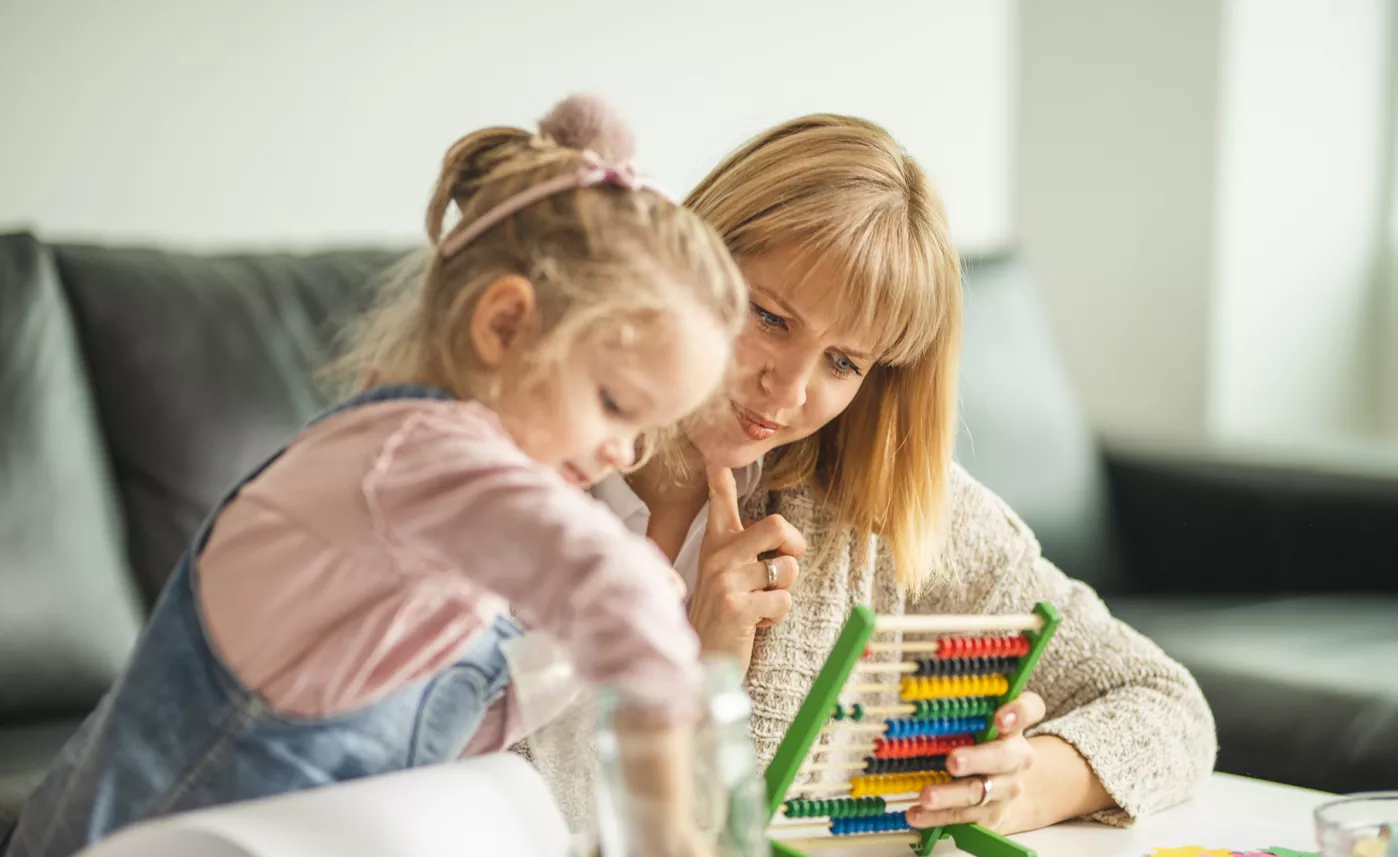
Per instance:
x=609, y=404
x=844, y=367
x=768, y=319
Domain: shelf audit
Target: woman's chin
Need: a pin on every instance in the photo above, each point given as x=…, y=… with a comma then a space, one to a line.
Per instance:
x=731, y=454
x=725, y=446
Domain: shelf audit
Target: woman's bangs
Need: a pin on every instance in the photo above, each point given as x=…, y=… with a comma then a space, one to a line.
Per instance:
x=883, y=287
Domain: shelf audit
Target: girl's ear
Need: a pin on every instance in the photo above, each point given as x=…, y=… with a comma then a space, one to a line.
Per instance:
x=502, y=315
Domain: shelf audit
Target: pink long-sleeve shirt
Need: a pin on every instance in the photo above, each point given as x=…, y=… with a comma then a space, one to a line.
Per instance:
x=385, y=537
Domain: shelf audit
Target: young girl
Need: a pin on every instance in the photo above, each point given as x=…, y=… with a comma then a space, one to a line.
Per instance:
x=342, y=612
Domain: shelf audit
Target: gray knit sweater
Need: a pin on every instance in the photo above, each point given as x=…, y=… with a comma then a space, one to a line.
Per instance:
x=1136, y=715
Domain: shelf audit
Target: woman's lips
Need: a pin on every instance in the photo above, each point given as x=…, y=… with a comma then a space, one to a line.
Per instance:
x=574, y=474
x=754, y=426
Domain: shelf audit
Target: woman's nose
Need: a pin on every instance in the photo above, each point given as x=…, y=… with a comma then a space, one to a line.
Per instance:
x=785, y=383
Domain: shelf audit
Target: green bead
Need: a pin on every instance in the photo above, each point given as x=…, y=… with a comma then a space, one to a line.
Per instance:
x=858, y=712
x=838, y=713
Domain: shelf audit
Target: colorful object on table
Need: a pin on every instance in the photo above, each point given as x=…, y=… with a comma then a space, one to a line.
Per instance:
x=1197, y=851
x=924, y=685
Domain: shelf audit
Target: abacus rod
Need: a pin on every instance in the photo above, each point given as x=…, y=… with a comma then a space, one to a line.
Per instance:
x=834, y=766
x=843, y=788
x=822, y=822
x=871, y=688
x=916, y=646
x=875, y=728
x=832, y=841
x=890, y=709
x=861, y=765
x=800, y=827
x=899, y=667
x=866, y=749
x=958, y=624
x=888, y=806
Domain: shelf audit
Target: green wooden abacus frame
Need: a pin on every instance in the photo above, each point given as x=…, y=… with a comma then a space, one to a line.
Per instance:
x=814, y=714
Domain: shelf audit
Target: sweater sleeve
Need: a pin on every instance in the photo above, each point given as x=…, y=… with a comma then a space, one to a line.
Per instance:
x=1135, y=715
x=454, y=493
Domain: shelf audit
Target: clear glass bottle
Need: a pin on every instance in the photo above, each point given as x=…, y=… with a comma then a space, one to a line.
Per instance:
x=728, y=794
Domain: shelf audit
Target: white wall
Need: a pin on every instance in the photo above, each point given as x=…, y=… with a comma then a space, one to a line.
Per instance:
x=1388, y=315
x=1302, y=154
x=1199, y=188
x=1114, y=158
x=300, y=122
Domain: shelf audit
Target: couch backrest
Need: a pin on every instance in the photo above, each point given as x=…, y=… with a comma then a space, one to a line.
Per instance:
x=136, y=385
x=1023, y=433
x=69, y=611
x=201, y=367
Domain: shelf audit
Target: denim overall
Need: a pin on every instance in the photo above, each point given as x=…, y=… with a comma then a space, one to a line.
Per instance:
x=179, y=732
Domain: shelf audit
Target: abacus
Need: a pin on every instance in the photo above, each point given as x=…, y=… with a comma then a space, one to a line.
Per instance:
x=936, y=683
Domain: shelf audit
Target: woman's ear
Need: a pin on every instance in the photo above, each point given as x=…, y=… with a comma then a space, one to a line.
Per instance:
x=502, y=316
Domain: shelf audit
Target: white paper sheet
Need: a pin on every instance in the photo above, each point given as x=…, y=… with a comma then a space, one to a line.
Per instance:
x=490, y=805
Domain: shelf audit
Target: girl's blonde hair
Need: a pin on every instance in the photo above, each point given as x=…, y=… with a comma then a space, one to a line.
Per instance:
x=603, y=260
x=842, y=194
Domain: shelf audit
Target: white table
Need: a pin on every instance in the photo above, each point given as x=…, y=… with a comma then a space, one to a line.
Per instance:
x=1232, y=812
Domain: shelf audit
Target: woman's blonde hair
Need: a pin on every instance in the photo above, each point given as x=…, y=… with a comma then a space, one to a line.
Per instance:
x=841, y=193
x=603, y=259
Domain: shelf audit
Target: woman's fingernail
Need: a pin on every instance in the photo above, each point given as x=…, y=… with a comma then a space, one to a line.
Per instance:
x=955, y=764
x=1008, y=721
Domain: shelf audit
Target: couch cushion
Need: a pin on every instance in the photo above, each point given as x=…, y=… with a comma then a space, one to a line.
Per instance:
x=202, y=366
x=1022, y=433
x=1305, y=690
x=25, y=753
x=68, y=610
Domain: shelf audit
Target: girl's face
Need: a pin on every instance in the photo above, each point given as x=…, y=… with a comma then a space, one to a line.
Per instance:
x=793, y=369
x=585, y=417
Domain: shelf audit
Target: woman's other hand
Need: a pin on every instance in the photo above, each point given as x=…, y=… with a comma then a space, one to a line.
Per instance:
x=994, y=776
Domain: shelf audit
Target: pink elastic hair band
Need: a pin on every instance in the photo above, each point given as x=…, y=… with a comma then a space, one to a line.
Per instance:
x=593, y=171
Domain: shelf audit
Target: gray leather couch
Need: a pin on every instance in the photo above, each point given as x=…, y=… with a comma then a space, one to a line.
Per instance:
x=135, y=385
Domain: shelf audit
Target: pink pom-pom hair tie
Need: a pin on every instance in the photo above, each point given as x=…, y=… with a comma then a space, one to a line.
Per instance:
x=591, y=173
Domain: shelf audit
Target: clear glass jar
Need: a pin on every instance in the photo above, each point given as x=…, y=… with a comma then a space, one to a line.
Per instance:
x=725, y=793
x=1361, y=825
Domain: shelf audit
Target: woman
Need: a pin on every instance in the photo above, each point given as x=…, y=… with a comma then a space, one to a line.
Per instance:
x=835, y=435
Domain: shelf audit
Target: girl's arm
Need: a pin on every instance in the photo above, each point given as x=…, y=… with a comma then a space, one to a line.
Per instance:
x=454, y=492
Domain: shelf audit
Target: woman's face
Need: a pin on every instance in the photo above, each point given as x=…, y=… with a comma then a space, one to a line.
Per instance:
x=793, y=370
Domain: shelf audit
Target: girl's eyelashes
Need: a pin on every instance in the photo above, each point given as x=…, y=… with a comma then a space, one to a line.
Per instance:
x=609, y=404
x=768, y=319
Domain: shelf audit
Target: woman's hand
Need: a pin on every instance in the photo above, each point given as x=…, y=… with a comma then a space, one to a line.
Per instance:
x=996, y=770
x=732, y=596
